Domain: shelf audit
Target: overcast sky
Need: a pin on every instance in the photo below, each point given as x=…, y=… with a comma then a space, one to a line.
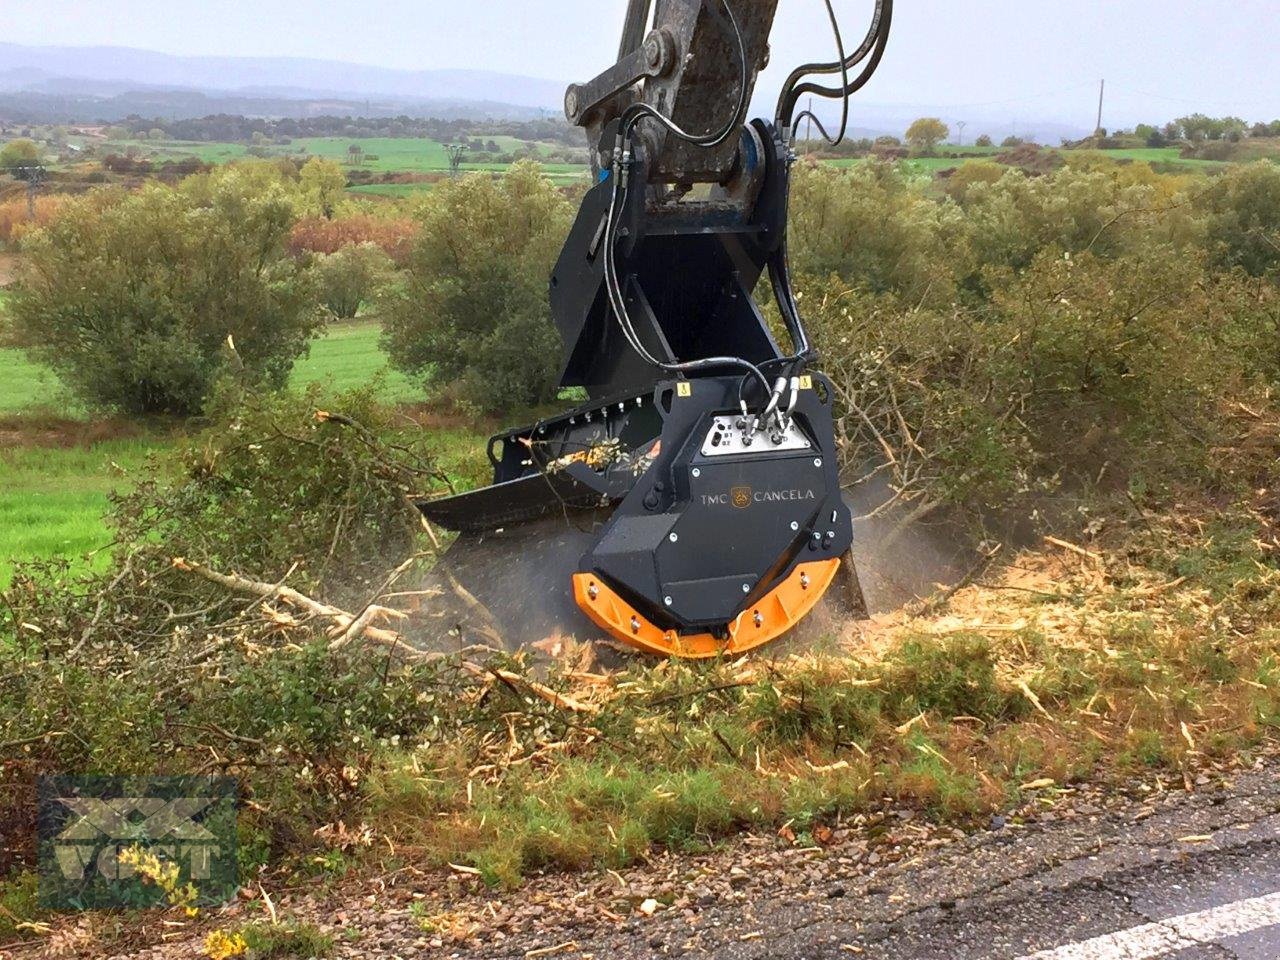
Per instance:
x=989, y=58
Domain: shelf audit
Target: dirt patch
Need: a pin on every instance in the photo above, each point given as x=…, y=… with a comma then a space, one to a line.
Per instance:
x=49, y=431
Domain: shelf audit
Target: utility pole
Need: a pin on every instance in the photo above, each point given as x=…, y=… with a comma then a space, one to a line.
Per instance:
x=455, y=152
x=34, y=175
x=808, y=136
x=1102, y=94
x=961, y=124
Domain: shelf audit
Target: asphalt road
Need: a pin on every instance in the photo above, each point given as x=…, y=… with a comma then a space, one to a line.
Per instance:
x=1184, y=876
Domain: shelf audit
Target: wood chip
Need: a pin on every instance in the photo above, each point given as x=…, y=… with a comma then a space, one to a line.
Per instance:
x=1196, y=838
x=906, y=727
x=1078, y=551
x=469, y=871
x=1038, y=784
x=1186, y=735
x=548, y=951
x=1031, y=697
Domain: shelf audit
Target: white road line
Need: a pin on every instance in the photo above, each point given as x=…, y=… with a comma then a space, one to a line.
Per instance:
x=1153, y=940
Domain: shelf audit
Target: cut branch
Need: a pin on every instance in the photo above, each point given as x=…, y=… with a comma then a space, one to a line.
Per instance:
x=349, y=626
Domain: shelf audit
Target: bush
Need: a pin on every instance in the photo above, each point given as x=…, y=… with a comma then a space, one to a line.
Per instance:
x=1075, y=371
x=16, y=221
x=148, y=668
x=473, y=310
x=276, y=484
x=351, y=278
x=394, y=236
x=131, y=299
x=1244, y=219
x=875, y=227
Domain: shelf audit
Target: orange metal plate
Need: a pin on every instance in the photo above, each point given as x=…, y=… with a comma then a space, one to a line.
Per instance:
x=777, y=612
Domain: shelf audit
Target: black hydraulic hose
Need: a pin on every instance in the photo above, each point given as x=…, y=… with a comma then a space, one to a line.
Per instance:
x=787, y=101
x=877, y=54
x=874, y=46
x=779, y=265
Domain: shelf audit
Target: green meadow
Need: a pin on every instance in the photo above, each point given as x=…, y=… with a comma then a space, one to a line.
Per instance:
x=377, y=154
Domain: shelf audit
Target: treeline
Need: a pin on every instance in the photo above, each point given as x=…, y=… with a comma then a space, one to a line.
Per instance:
x=238, y=129
x=1004, y=331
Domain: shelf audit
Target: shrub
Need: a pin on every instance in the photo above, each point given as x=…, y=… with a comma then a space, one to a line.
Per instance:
x=394, y=236
x=323, y=185
x=1076, y=369
x=1244, y=218
x=474, y=308
x=143, y=663
x=275, y=484
x=132, y=299
x=351, y=278
x=875, y=227
x=16, y=221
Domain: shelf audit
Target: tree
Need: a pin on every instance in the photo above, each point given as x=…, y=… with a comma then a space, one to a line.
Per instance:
x=984, y=140
x=473, y=311
x=926, y=133
x=322, y=183
x=19, y=153
x=350, y=279
x=142, y=302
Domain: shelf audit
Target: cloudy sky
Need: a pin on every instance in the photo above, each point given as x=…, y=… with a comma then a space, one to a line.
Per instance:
x=987, y=58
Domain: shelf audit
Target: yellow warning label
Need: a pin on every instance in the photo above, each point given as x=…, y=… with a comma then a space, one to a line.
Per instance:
x=684, y=389
x=806, y=383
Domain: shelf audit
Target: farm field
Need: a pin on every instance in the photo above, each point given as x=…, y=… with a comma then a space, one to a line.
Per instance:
x=380, y=154
x=932, y=165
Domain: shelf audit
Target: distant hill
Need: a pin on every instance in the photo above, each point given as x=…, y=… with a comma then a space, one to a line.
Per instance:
x=55, y=84
x=83, y=84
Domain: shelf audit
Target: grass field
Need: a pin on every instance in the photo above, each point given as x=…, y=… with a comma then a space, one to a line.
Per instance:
x=392, y=154
x=348, y=356
x=52, y=499
x=931, y=165
x=54, y=490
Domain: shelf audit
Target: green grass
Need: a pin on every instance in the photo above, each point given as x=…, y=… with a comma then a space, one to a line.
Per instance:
x=393, y=154
x=52, y=499
x=26, y=387
x=348, y=355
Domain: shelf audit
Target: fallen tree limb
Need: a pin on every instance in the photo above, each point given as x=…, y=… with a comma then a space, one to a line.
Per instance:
x=348, y=626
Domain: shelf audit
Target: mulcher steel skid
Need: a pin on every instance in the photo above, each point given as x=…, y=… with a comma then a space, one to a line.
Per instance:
x=692, y=507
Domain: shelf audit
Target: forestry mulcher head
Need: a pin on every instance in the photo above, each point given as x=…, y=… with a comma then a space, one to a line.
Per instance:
x=692, y=506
